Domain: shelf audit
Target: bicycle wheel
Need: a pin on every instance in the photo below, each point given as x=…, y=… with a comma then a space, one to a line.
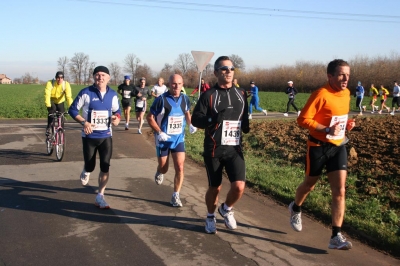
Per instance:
x=49, y=142
x=60, y=144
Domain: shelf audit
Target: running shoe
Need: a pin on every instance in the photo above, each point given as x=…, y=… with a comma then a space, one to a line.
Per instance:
x=286, y=114
x=298, y=113
x=295, y=218
x=372, y=112
x=211, y=225
x=376, y=107
x=392, y=113
x=176, y=201
x=126, y=128
x=380, y=112
x=139, y=131
x=85, y=177
x=100, y=202
x=250, y=117
x=230, y=221
x=340, y=242
x=158, y=177
x=265, y=112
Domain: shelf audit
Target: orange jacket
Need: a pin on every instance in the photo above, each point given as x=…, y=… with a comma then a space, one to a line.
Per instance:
x=322, y=105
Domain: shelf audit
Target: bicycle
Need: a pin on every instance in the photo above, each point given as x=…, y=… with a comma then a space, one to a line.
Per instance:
x=56, y=138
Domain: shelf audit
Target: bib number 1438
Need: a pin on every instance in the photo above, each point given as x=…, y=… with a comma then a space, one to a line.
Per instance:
x=231, y=132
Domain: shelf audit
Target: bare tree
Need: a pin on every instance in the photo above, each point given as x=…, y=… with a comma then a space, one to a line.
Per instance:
x=92, y=65
x=115, y=73
x=131, y=63
x=237, y=62
x=62, y=64
x=27, y=78
x=184, y=63
x=166, y=72
x=144, y=71
x=77, y=66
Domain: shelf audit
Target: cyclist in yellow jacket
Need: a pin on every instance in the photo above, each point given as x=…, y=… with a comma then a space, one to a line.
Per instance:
x=55, y=93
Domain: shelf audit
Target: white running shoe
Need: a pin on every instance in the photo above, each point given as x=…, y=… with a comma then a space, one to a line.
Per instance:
x=176, y=201
x=230, y=221
x=211, y=225
x=158, y=177
x=139, y=131
x=380, y=112
x=286, y=114
x=298, y=113
x=392, y=113
x=265, y=112
x=376, y=107
x=250, y=117
x=85, y=177
x=295, y=218
x=340, y=242
x=100, y=202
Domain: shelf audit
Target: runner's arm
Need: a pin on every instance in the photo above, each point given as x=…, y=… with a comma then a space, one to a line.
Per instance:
x=47, y=94
x=68, y=93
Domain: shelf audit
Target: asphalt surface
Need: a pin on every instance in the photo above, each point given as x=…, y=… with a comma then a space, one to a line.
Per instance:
x=48, y=218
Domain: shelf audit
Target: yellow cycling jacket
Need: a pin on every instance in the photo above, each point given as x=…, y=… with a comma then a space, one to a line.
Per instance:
x=57, y=93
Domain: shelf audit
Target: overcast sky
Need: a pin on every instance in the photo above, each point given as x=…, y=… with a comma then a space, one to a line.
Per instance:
x=34, y=34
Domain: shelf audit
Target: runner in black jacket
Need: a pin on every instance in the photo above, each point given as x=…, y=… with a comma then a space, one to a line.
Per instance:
x=222, y=112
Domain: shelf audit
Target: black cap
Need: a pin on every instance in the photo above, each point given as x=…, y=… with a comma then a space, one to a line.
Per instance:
x=101, y=69
x=252, y=82
x=59, y=73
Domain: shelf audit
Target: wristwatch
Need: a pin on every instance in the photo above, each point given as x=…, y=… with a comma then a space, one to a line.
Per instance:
x=327, y=129
x=83, y=122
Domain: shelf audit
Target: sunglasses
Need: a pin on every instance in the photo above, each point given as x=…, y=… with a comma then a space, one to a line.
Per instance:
x=225, y=68
x=60, y=77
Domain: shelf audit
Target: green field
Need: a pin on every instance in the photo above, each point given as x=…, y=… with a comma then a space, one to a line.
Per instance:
x=27, y=101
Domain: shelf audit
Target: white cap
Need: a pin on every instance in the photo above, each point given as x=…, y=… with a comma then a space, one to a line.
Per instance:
x=290, y=82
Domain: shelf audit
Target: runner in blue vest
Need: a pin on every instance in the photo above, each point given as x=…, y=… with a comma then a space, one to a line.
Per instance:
x=168, y=116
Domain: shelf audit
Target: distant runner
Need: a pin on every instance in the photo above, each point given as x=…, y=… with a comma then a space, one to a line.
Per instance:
x=127, y=91
x=255, y=100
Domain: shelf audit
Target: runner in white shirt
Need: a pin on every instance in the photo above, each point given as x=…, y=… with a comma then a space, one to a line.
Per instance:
x=396, y=97
x=159, y=88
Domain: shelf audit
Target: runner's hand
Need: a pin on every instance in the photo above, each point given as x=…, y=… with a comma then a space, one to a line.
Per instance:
x=163, y=137
x=192, y=129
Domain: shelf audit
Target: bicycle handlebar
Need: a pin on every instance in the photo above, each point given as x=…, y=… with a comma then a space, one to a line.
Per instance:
x=57, y=113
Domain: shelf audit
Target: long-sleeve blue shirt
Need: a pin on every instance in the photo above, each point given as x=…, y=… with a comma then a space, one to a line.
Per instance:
x=92, y=104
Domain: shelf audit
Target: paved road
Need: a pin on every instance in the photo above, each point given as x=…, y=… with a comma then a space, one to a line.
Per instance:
x=48, y=218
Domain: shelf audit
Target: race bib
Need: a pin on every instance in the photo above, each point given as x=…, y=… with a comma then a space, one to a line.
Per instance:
x=127, y=94
x=175, y=125
x=100, y=120
x=231, y=131
x=342, y=119
x=139, y=103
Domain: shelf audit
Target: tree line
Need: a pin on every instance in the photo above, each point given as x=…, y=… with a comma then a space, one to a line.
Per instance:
x=306, y=75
